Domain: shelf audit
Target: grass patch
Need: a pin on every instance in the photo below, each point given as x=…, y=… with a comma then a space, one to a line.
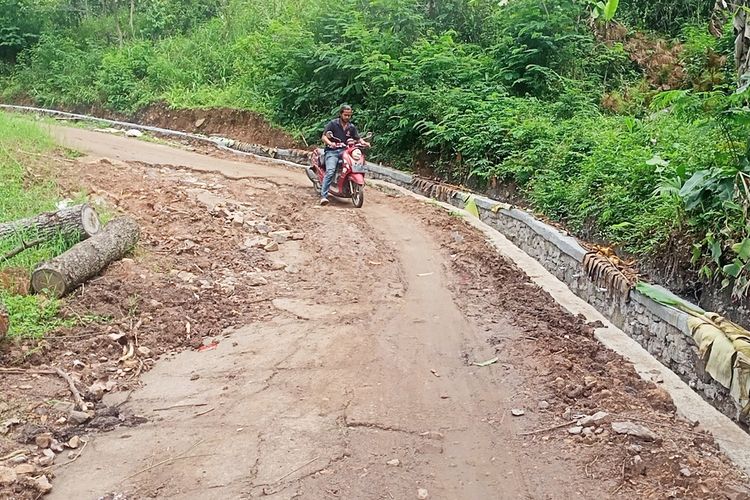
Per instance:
x=27, y=188
x=23, y=193
x=32, y=316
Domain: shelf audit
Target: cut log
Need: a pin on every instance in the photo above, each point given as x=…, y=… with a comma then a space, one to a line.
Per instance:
x=76, y=220
x=86, y=259
x=4, y=321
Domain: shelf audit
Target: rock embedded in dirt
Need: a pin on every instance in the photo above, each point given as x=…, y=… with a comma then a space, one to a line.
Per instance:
x=517, y=412
x=280, y=236
x=423, y=494
x=297, y=236
x=735, y=493
x=47, y=458
x=79, y=417
x=262, y=228
x=7, y=475
x=25, y=469
x=277, y=265
x=597, y=418
x=271, y=247
x=19, y=459
x=133, y=132
x=395, y=462
x=635, y=448
x=543, y=405
x=635, y=430
x=575, y=430
x=686, y=472
x=74, y=442
x=42, y=484
x=238, y=219
x=5, y=426
x=256, y=279
x=43, y=440
x=97, y=389
x=637, y=466
x=186, y=276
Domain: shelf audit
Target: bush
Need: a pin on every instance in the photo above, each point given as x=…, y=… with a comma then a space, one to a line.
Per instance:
x=485, y=91
x=121, y=78
x=666, y=16
x=59, y=71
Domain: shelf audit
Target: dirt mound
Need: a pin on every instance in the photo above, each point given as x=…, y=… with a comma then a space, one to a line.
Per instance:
x=236, y=124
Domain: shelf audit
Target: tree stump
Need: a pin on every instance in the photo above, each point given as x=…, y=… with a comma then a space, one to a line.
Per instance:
x=86, y=259
x=4, y=321
x=76, y=220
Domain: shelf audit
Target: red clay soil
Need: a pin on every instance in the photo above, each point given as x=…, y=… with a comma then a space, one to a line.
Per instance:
x=236, y=124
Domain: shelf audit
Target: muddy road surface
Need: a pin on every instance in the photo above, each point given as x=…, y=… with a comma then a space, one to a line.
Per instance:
x=349, y=360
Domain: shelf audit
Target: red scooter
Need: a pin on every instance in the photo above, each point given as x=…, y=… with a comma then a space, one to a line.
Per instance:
x=349, y=180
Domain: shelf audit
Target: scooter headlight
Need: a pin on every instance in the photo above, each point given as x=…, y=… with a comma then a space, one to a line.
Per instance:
x=356, y=155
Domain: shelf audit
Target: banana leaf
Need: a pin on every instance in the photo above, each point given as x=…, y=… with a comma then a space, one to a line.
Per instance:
x=667, y=298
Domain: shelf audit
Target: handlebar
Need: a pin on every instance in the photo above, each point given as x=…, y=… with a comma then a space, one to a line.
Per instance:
x=351, y=142
x=342, y=144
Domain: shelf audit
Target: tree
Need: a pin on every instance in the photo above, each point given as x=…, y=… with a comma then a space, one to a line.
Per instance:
x=741, y=42
x=20, y=26
x=738, y=10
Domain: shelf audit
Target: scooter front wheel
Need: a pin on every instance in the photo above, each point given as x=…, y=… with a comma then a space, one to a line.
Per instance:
x=358, y=194
x=313, y=178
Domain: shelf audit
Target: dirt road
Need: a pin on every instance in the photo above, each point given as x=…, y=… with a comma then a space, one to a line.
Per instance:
x=352, y=375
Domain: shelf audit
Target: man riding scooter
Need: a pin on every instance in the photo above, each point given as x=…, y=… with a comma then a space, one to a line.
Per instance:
x=335, y=137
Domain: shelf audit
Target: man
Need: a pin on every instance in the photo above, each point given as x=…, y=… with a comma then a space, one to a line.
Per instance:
x=342, y=130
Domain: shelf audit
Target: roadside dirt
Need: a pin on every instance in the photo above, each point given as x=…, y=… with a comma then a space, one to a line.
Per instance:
x=341, y=365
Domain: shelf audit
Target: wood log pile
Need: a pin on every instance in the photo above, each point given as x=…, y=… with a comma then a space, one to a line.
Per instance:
x=76, y=220
x=97, y=247
x=85, y=260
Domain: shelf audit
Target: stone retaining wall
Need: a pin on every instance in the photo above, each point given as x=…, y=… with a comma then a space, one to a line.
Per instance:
x=662, y=331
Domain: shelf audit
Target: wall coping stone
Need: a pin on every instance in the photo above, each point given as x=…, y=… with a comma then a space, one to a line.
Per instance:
x=565, y=243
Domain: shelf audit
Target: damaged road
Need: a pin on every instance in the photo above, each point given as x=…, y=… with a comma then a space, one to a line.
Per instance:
x=300, y=352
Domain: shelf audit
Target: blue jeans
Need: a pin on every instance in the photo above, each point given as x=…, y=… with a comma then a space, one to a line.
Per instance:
x=331, y=160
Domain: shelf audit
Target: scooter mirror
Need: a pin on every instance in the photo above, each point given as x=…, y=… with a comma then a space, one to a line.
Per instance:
x=329, y=134
x=368, y=136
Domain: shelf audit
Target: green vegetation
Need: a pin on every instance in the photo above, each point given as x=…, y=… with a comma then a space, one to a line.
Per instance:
x=619, y=119
x=24, y=193
x=32, y=316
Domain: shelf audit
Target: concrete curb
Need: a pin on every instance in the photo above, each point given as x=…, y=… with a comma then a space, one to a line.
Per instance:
x=731, y=439
x=663, y=331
